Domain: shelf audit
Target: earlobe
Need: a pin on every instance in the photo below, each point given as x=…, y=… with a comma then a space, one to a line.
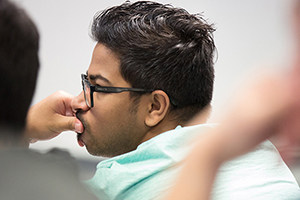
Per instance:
x=158, y=109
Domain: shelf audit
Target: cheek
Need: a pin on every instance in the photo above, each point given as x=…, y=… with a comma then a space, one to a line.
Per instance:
x=103, y=117
x=95, y=118
x=109, y=111
x=109, y=105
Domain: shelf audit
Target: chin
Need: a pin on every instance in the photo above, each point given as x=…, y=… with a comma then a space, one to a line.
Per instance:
x=97, y=152
x=92, y=152
x=106, y=152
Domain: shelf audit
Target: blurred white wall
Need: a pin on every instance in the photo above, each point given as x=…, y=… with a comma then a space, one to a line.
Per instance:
x=251, y=35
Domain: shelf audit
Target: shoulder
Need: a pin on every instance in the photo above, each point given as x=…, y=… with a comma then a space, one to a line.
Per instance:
x=23, y=170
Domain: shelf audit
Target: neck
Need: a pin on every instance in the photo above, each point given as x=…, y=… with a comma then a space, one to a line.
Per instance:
x=169, y=124
x=163, y=126
x=201, y=117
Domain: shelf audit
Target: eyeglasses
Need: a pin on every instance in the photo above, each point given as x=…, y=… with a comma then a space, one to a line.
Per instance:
x=89, y=89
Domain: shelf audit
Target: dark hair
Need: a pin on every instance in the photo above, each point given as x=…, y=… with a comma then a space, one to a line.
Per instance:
x=161, y=47
x=18, y=64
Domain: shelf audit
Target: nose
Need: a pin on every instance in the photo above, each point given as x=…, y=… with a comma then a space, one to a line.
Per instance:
x=78, y=103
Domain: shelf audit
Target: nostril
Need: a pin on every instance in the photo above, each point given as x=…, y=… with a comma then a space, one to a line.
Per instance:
x=77, y=112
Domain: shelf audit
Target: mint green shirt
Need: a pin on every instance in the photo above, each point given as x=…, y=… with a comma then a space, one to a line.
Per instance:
x=147, y=172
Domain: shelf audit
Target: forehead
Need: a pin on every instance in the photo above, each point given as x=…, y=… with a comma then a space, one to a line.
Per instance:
x=106, y=64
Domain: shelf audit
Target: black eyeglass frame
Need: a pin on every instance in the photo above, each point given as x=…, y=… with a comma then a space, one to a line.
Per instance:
x=105, y=89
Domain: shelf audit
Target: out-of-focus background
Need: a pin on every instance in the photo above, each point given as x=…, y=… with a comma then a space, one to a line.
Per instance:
x=251, y=35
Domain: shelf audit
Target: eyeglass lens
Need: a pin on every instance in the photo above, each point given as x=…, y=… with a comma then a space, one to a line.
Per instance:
x=87, y=93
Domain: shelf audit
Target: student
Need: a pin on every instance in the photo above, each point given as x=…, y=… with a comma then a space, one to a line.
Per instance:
x=151, y=72
x=26, y=174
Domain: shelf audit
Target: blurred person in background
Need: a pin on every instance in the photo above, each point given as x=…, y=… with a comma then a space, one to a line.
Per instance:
x=25, y=174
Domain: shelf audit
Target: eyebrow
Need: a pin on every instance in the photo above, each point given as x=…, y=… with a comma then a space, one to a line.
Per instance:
x=97, y=76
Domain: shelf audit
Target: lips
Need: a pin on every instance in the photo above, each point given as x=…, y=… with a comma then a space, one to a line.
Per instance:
x=79, y=140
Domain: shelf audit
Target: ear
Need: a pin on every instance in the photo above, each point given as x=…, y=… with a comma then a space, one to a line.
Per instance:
x=158, y=107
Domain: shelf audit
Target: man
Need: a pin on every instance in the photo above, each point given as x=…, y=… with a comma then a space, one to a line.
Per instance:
x=151, y=72
x=26, y=174
x=18, y=70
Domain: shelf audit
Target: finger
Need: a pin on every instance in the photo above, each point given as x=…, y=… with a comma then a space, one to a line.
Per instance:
x=63, y=104
x=68, y=123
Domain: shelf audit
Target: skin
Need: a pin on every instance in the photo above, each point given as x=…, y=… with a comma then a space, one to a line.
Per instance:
x=112, y=126
x=51, y=116
x=116, y=124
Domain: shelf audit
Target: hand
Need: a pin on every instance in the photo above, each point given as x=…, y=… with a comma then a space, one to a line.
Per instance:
x=51, y=116
x=271, y=107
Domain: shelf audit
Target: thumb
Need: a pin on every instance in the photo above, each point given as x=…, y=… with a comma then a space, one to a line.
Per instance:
x=65, y=123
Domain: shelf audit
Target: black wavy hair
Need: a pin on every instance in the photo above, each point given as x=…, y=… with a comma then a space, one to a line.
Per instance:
x=161, y=47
